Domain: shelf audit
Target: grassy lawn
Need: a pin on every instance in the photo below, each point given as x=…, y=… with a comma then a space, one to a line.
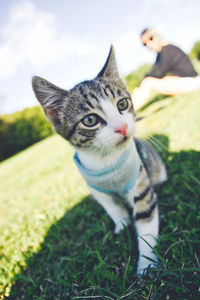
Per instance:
x=57, y=243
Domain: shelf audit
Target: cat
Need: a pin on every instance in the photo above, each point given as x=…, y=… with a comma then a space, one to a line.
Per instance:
x=97, y=117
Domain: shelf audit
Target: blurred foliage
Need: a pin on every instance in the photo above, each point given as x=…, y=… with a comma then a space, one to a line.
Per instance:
x=22, y=129
x=196, y=65
x=134, y=78
x=195, y=52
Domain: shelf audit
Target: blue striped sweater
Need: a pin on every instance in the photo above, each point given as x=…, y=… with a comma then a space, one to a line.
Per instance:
x=119, y=178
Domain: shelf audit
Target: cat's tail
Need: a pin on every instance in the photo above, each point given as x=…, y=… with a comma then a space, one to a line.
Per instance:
x=152, y=162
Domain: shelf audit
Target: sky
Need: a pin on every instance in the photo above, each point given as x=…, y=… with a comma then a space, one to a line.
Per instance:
x=68, y=41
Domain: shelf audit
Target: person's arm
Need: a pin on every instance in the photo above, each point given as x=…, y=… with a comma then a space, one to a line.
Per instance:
x=161, y=66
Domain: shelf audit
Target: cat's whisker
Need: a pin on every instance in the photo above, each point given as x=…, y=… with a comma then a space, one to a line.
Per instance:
x=152, y=151
x=162, y=146
x=155, y=144
x=158, y=142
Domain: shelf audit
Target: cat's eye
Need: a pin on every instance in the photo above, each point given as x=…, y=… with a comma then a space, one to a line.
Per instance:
x=122, y=104
x=90, y=121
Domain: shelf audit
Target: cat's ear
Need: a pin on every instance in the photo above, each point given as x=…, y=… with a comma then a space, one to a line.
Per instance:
x=50, y=97
x=110, y=67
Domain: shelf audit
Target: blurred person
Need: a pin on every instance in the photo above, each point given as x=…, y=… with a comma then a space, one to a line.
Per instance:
x=172, y=73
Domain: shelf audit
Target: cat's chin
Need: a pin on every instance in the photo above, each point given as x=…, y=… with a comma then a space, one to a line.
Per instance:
x=124, y=141
x=122, y=144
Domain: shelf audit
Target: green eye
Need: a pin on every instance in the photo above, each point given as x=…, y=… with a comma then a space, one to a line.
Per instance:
x=122, y=104
x=90, y=121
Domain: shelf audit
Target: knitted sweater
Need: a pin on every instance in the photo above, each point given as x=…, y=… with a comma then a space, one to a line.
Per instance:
x=119, y=178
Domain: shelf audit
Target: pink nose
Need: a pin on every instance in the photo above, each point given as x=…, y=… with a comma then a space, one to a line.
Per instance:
x=122, y=130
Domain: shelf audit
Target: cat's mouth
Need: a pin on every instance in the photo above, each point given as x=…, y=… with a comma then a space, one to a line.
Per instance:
x=122, y=141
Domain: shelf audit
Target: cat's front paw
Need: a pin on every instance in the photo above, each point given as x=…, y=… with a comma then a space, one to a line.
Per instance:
x=121, y=225
x=144, y=264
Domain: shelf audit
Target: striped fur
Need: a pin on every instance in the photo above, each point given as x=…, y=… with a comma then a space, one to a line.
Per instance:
x=89, y=117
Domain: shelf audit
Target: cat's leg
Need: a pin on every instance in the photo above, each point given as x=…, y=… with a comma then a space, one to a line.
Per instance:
x=147, y=239
x=146, y=220
x=147, y=225
x=117, y=212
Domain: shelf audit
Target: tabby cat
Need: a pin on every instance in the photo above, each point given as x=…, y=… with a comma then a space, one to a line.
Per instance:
x=97, y=117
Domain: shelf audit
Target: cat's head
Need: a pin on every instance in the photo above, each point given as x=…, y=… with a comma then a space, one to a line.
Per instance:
x=95, y=115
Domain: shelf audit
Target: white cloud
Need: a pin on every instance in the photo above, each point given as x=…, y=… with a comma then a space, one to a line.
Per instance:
x=31, y=36
x=128, y=41
x=126, y=46
x=129, y=51
x=187, y=38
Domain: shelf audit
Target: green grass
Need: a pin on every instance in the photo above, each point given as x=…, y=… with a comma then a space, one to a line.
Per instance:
x=57, y=243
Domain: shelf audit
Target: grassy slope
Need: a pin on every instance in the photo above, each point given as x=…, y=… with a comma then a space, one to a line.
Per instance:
x=58, y=244
x=37, y=186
